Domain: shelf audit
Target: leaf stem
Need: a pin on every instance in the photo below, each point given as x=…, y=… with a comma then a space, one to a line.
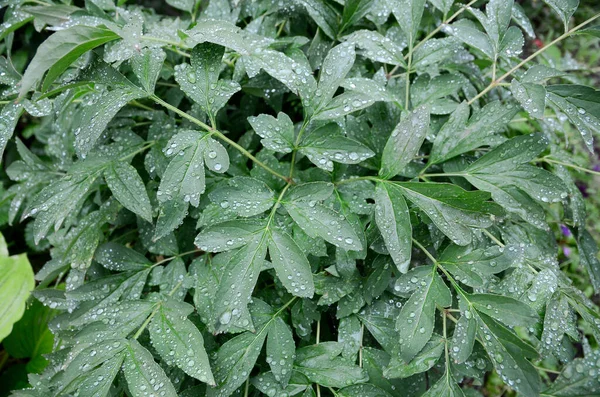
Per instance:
x=434, y=32
x=550, y=371
x=296, y=143
x=277, y=204
x=443, y=174
x=147, y=321
x=493, y=238
x=576, y=167
x=140, y=105
x=446, y=353
x=359, y=178
x=42, y=3
x=140, y=150
x=438, y=265
x=409, y=64
x=360, y=350
x=156, y=309
x=563, y=36
x=247, y=387
x=164, y=41
x=176, y=256
x=219, y=135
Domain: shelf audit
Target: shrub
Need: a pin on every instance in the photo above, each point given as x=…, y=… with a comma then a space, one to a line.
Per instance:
x=301, y=198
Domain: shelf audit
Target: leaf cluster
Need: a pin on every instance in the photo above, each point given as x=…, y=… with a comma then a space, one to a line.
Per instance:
x=306, y=197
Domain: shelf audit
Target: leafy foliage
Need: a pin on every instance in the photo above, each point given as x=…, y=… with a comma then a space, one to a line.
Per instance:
x=308, y=197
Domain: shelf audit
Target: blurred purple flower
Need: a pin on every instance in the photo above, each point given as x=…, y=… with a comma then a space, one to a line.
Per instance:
x=566, y=251
x=582, y=188
x=596, y=168
x=565, y=231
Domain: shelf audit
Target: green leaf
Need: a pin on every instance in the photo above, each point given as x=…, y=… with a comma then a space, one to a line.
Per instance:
x=467, y=32
x=377, y=47
x=277, y=133
x=490, y=260
x=266, y=383
x=588, y=256
x=235, y=291
x=379, y=319
x=327, y=144
x=350, y=336
x=184, y=177
x=229, y=235
x=507, y=310
x=508, y=354
x=592, y=31
x=453, y=210
x=578, y=378
x=512, y=43
x=179, y=342
x=318, y=220
x=354, y=10
x=499, y=13
x=201, y=82
x=442, y=5
x=119, y=258
x=335, y=66
x=323, y=365
x=520, y=18
x=127, y=314
x=290, y=264
x=409, y=14
x=539, y=74
x=479, y=130
x=463, y=339
x=311, y=191
x=128, y=188
x=244, y=196
x=506, y=166
x=57, y=201
x=184, y=5
x=366, y=390
x=183, y=181
x=99, y=381
x=532, y=97
x=281, y=350
x=404, y=142
x=147, y=65
x=304, y=314
x=375, y=360
x=59, y=51
x=102, y=356
x=417, y=317
x=564, y=8
x=295, y=73
x=235, y=360
x=393, y=220
x=96, y=116
x=423, y=361
x=354, y=98
x=31, y=338
x=446, y=386
x=323, y=14
x=559, y=320
x=581, y=104
x=16, y=19
x=435, y=51
x=9, y=115
x=144, y=374
x=433, y=91
x=370, y=88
